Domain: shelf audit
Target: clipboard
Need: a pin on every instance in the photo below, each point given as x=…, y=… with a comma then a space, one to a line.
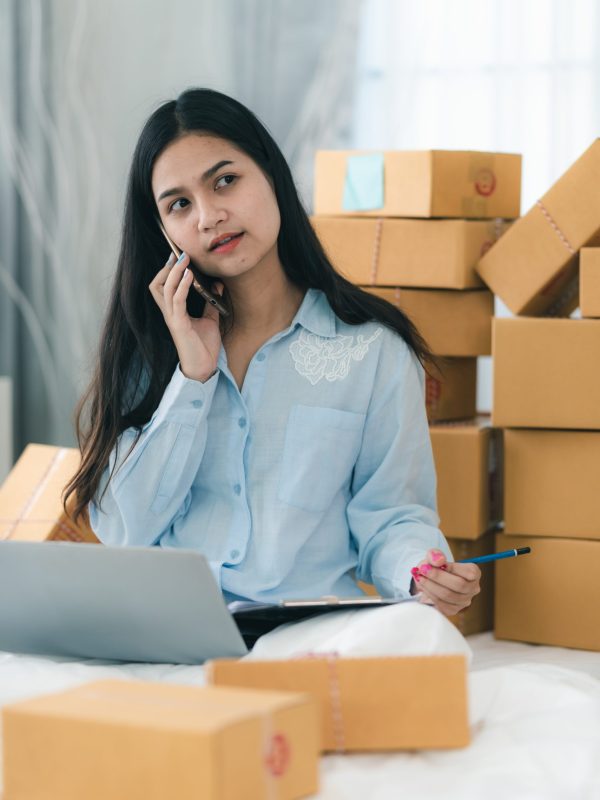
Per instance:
x=254, y=619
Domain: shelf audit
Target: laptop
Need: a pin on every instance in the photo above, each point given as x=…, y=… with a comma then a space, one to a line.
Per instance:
x=144, y=604
x=113, y=603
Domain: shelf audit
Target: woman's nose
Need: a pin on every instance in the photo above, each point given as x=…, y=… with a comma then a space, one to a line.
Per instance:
x=210, y=215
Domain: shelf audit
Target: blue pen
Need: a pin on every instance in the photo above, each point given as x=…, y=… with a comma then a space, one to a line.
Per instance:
x=518, y=551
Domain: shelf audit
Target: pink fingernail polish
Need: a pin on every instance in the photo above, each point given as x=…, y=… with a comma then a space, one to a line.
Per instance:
x=425, y=568
x=414, y=572
x=418, y=577
x=437, y=555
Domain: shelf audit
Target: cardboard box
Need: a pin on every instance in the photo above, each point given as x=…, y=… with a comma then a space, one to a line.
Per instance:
x=452, y=323
x=127, y=740
x=468, y=462
x=543, y=597
x=422, y=183
x=369, y=703
x=438, y=254
x=545, y=373
x=479, y=616
x=31, y=497
x=451, y=389
x=534, y=268
x=552, y=483
x=589, y=281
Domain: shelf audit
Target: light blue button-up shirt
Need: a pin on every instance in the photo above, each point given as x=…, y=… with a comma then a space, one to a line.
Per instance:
x=319, y=472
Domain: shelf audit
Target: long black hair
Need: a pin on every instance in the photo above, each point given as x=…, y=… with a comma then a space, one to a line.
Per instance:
x=136, y=350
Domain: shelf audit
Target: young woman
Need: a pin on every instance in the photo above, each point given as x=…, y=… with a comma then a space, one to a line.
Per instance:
x=287, y=442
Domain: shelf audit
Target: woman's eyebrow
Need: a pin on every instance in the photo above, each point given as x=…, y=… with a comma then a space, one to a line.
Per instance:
x=205, y=176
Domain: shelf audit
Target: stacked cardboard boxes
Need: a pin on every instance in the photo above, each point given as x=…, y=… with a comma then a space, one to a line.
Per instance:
x=547, y=397
x=410, y=227
x=534, y=269
x=468, y=460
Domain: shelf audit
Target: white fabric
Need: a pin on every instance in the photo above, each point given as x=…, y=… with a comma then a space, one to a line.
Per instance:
x=400, y=630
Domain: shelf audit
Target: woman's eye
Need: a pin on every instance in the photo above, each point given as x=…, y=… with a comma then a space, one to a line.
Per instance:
x=225, y=180
x=173, y=206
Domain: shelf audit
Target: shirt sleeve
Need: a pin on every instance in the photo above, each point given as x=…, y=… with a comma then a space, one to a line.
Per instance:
x=150, y=487
x=392, y=514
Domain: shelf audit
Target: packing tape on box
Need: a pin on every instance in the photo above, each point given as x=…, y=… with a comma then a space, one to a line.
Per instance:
x=38, y=490
x=555, y=227
x=376, y=251
x=335, y=695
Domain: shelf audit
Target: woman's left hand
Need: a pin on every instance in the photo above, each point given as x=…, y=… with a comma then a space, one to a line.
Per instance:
x=448, y=586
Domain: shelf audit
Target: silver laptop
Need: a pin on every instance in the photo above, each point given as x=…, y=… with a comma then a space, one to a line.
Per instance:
x=114, y=603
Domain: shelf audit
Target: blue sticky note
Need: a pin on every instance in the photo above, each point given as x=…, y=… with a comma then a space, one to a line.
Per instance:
x=363, y=187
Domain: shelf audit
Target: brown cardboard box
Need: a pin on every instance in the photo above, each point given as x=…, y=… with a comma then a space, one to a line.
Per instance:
x=543, y=598
x=552, y=483
x=425, y=183
x=452, y=323
x=468, y=461
x=546, y=374
x=438, y=254
x=127, y=740
x=479, y=616
x=534, y=268
x=451, y=389
x=369, y=703
x=31, y=497
x=589, y=281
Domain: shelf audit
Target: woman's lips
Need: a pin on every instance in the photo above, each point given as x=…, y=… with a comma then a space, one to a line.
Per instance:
x=228, y=246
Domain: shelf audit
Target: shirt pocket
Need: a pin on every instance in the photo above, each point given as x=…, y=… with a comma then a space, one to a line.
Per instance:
x=319, y=453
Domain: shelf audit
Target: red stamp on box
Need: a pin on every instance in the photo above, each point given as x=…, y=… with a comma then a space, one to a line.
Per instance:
x=485, y=182
x=433, y=392
x=278, y=755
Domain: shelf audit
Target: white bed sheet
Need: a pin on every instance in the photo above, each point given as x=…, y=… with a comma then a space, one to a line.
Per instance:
x=535, y=713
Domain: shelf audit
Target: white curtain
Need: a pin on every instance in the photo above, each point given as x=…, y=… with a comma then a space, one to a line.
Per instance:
x=77, y=80
x=517, y=76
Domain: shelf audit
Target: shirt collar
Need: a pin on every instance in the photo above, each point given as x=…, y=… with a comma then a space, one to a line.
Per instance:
x=315, y=314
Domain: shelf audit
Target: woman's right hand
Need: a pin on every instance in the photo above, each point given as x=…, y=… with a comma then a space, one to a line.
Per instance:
x=198, y=340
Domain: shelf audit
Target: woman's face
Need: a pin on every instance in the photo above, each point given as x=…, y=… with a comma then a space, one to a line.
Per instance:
x=206, y=189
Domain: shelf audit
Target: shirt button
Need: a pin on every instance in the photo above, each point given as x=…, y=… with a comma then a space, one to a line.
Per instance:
x=234, y=554
x=260, y=357
x=242, y=422
x=237, y=488
x=197, y=403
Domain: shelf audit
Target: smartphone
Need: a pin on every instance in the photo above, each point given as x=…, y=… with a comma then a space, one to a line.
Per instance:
x=197, y=281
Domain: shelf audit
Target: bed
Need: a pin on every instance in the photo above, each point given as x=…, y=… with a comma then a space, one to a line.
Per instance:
x=535, y=716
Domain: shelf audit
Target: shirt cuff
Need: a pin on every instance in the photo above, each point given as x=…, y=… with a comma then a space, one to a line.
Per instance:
x=185, y=400
x=397, y=584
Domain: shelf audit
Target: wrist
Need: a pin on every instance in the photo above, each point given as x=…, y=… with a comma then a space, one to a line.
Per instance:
x=201, y=377
x=205, y=378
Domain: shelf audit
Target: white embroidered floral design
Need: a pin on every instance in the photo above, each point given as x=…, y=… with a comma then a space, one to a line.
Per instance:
x=316, y=357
